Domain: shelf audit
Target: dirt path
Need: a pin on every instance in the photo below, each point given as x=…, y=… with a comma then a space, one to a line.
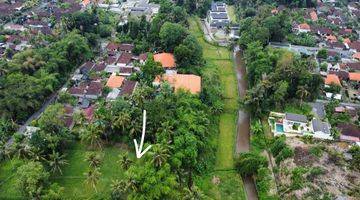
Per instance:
x=243, y=126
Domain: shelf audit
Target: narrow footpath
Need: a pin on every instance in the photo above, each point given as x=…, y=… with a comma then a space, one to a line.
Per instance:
x=243, y=124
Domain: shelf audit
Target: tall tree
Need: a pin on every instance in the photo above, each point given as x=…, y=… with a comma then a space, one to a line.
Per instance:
x=56, y=161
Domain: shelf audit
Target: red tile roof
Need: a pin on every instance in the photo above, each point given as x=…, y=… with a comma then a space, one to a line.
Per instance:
x=332, y=79
x=167, y=60
x=125, y=58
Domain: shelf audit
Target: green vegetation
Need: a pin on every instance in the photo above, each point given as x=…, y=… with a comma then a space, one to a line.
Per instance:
x=218, y=60
x=232, y=13
x=73, y=176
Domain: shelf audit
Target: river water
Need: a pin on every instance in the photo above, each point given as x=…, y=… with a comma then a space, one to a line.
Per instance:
x=243, y=124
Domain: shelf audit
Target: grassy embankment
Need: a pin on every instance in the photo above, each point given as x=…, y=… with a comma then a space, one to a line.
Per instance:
x=220, y=59
x=231, y=12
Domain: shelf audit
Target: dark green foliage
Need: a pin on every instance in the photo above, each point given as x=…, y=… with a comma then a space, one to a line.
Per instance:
x=34, y=74
x=7, y=129
x=150, y=70
x=303, y=39
x=32, y=178
x=105, y=30
x=172, y=35
x=263, y=184
x=275, y=76
x=314, y=172
x=317, y=150
x=285, y=153
x=355, y=161
x=278, y=145
x=298, y=178
x=322, y=53
x=188, y=54
x=249, y=163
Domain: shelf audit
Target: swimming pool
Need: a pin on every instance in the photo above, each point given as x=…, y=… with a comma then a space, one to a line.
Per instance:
x=279, y=128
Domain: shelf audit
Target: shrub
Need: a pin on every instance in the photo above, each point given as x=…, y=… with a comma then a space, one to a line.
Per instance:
x=314, y=172
x=278, y=145
x=248, y=163
x=263, y=183
x=317, y=150
x=297, y=178
x=285, y=153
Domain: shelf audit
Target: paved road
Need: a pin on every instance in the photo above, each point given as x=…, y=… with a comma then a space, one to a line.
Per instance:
x=243, y=126
x=312, y=50
x=356, y=105
x=209, y=36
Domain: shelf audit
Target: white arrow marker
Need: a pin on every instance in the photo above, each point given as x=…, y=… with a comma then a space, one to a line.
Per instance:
x=138, y=148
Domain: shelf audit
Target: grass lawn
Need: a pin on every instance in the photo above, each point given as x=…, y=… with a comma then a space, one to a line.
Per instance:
x=231, y=12
x=8, y=180
x=230, y=184
x=296, y=108
x=73, y=174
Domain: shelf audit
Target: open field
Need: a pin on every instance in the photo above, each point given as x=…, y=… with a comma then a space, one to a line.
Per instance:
x=73, y=176
x=229, y=184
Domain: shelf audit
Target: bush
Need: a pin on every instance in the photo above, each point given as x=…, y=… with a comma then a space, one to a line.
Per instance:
x=317, y=150
x=314, y=172
x=248, y=163
x=263, y=183
x=104, y=30
x=278, y=145
x=355, y=162
x=322, y=53
x=297, y=178
x=285, y=153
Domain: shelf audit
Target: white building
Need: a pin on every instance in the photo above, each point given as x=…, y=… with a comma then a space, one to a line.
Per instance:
x=218, y=16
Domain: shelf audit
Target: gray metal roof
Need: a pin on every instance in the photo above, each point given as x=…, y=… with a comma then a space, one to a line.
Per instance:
x=319, y=109
x=296, y=117
x=318, y=125
x=219, y=15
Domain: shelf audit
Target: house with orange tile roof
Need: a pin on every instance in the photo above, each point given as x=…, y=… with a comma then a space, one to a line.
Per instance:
x=354, y=76
x=332, y=79
x=304, y=28
x=167, y=60
x=115, y=81
x=356, y=56
x=188, y=82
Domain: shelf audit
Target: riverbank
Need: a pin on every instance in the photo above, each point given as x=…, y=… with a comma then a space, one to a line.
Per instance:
x=223, y=182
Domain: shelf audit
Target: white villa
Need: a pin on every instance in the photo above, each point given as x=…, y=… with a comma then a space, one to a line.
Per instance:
x=291, y=125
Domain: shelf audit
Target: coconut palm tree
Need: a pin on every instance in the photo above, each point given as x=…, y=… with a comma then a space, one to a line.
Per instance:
x=124, y=161
x=159, y=154
x=122, y=120
x=94, y=159
x=302, y=93
x=256, y=128
x=92, y=135
x=56, y=161
x=194, y=193
x=36, y=154
x=92, y=177
x=118, y=189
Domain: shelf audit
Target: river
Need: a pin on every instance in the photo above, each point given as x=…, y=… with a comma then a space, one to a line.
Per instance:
x=243, y=124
